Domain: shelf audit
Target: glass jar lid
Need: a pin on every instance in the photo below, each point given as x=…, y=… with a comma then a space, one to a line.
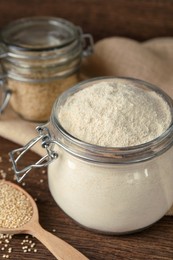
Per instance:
x=39, y=33
x=51, y=46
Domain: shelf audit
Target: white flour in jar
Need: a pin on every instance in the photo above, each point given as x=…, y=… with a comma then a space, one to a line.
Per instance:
x=116, y=198
x=112, y=198
x=115, y=115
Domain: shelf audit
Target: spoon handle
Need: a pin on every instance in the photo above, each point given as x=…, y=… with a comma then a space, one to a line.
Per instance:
x=59, y=248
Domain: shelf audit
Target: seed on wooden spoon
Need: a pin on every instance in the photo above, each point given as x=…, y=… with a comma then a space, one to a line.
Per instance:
x=19, y=214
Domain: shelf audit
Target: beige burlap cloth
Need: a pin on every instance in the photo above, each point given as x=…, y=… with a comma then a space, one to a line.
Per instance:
x=151, y=61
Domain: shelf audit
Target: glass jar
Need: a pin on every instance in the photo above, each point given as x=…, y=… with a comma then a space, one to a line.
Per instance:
x=41, y=57
x=110, y=190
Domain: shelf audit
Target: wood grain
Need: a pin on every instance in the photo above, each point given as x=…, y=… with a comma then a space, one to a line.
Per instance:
x=138, y=19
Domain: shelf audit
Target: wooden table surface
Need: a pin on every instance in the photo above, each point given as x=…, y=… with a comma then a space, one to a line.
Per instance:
x=155, y=242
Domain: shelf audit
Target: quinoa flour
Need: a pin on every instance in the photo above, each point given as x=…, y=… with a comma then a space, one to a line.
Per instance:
x=115, y=115
x=113, y=197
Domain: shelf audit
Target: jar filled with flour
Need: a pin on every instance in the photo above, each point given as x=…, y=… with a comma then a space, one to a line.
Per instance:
x=41, y=57
x=109, y=148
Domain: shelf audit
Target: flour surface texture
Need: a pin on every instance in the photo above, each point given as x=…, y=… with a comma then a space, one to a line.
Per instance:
x=119, y=195
x=115, y=115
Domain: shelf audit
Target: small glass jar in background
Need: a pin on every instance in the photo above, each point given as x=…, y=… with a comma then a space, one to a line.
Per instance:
x=41, y=57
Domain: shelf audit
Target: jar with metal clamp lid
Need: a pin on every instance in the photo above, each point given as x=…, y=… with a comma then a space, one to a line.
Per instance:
x=109, y=189
x=41, y=57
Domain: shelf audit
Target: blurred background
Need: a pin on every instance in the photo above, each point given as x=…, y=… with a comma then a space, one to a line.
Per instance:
x=137, y=19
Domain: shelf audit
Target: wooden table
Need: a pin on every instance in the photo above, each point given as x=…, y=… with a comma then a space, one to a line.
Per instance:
x=155, y=242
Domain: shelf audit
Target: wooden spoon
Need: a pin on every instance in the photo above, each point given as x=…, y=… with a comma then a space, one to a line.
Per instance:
x=59, y=248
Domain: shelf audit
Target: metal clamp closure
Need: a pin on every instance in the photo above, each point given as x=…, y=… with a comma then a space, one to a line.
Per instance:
x=88, y=44
x=45, y=138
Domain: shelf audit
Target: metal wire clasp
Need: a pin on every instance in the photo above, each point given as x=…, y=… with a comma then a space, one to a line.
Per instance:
x=46, y=141
x=88, y=44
